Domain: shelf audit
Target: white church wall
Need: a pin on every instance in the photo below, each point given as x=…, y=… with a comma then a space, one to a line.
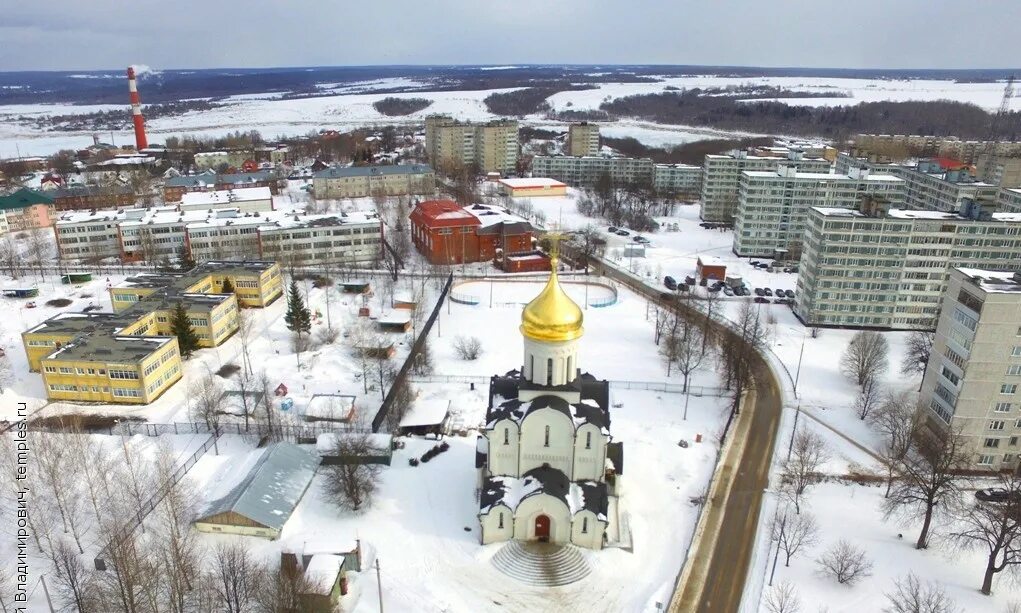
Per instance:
x=589, y=454
x=559, y=451
x=543, y=504
x=497, y=525
x=503, y=448
x=538, y=355
x=587, y=530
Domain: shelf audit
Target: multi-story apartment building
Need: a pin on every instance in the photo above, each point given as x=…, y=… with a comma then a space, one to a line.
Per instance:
x=27, y=209
x=245, y=199
x=583, y=139
x=973, y=379
x=873, y=268
x=721, y=178
x=1009, y=200
x=87, y=197
x=491, y=147
x=215, y=159
x=159, y=234
x=772, y=206
x=931, y=185
x=351, y=238
x=681, y=181
x=227, y=236
x=91, y=235
x=130, y=355
x=360, y=181
x=587, y=170
x=969, y=151
x=174, y=187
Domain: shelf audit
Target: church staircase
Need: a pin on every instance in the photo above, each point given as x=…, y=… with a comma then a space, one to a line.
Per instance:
x=541, y=564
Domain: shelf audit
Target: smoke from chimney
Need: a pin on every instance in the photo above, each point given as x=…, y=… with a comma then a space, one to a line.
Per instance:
x=136, y=111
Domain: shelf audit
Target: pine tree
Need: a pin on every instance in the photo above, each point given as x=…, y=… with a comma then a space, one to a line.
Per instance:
x=184, y=259
x=180, y=326
x=228, y=287
x=298, y=318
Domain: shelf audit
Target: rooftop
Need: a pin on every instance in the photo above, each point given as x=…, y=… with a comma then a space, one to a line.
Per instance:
x=110, y=348
x=340, y=172
x=912, y=214
x=206, y=178
x=226, y=196
x=23, y=198
x=531, y=182
x=426, y=412
x=994, y=281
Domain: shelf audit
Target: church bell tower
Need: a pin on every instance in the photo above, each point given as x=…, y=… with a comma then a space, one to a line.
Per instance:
x=551, y=325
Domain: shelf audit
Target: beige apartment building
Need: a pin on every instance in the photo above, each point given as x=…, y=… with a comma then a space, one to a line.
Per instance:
x=878, y=268
x=973, y=379
x=583, y=139
x=361, y=181
x=968, y=151
x=772, y=205
x=491, y=147
x=721, y=177
x=1009, y=200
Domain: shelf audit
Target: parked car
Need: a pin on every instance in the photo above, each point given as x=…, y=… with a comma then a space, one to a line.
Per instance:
x=789, y=293
x=754, y=263
x=727, y=291
x=689, y=280
x=714, y=289
x=623, y=232
x=759, y=292
x=670, y=282
x=682, y=288
x=761, y=300
x=703, y=281
x=780, y=292
x=767, y=292
x=994, y=494
x=642, y=240
x=612, y=229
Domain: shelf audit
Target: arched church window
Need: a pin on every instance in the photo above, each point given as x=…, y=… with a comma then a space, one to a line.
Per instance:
x=588, y=440
x=546, y=442
x=584, y=524
x=506, y=436
x=500, y=526
x=570, y=368
x=549, y=371
x=531, y=367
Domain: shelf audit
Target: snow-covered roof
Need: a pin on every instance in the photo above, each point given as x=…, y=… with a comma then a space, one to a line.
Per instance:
x=322, y=572
x=588, y=411
x=226, y=196
x=711, y=260
x=510, y=491
x=72, y=217
x=395, y=317
x=272, y=489
x=291, y=220
x=994, y=281
x=338, y=172
x=490, y=215
x=426, y=412
x=533, y=182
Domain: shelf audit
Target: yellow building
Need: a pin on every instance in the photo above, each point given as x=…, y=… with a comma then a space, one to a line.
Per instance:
x=532, y=187
x=130, y=355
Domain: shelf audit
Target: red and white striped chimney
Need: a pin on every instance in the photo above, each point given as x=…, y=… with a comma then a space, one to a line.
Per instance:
x=136, y=112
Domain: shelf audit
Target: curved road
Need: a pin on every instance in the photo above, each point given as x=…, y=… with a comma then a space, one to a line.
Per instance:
x=719, y=567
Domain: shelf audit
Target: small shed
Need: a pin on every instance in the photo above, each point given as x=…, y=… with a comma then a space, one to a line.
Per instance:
x=377, y=348
x=338, y=408
x=262, y=502
x=76, y=277
x=426, y=416
x=404, y=300
x=354, y=287
x=379, y=451
x=711, y=267
x=394, y=321
x=22, y=292
x=324, y=583
x=530, y=261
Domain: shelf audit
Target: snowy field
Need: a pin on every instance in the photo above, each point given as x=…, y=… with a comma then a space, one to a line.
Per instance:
x=352, y=108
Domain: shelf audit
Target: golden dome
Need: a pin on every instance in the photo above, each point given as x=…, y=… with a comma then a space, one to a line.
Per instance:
x=552, y=315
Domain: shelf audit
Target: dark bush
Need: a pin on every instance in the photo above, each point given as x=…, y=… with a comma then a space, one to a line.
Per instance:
x=413, y=461
x=393, y=107
x=58, y=302
x=228, y=370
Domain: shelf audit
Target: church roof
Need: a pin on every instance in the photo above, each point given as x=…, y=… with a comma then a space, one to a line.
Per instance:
x=510, y=491
x=594, y=407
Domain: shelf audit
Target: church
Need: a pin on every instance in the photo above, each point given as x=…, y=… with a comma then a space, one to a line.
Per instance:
x=547, y=463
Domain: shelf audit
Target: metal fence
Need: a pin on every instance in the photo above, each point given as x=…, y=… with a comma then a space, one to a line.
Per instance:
x=147, y=507
x=652, y=386
x=402, y=376
x=288, y=432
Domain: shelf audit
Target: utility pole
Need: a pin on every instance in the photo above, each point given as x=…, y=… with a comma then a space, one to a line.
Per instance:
x=783, y=525
x=46, y=591
x=797, y=375
x=379, y=586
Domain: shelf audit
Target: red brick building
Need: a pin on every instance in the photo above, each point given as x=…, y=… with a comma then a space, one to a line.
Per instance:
x=446, y=233
x=86, y=197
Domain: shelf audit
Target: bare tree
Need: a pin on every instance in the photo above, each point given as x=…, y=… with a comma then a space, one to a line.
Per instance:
x=10, y=256
x=868, y=399
x=916, y=355
x=928, y=483
x=845, y=562
x=793, y=532
x=897, y=420
x=175, y=546
x=264, y=385
x=467, y=347
x=281, y=589
x=61, y=477
x=994, y=529
x=910, y=595
x=40, y=248
x=236, y=576
x=866, y=356
x=352, y=483
x=782, y=598
x=801, y=470
x=246, y=328
x=207, y=402
x=246, y=390
x=74, y=582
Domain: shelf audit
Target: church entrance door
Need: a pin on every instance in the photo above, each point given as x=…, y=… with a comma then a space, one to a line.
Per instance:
x=542, y=528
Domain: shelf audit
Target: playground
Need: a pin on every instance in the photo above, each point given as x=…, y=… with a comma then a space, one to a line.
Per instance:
x=593, y=292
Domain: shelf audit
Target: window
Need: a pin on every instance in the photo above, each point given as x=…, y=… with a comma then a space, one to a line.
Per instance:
x=500, y=524
x=588, y=440
x=1008, y=388
x=506, y=436
x=991, y=443
x=1007, y=457
x=1016, y=351
x=584, y=525
x=1013, y=441
x=985, y=460
x=1014, y=369
x=996, y=424
x=1002, y=407
x=549, y=371
x=546, y=441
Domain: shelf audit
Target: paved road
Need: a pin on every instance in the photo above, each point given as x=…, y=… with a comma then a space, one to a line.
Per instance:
x=725, y=565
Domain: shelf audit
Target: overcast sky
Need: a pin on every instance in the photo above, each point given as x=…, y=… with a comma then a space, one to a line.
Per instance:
x=110, y=34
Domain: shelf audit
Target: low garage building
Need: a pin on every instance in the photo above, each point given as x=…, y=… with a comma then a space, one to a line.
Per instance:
x=532, y=187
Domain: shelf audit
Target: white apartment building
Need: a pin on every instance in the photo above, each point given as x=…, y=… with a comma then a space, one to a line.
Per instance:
x=227, y=236
x=973, y=380
x=929, y=187
x=586, y=170
x=888, y=269
x=350, y=238
x=773, y=205
x=583, y=139
x=245, y=199
x=214, y=159
x=678, y=180
x=361, y=181
x=721, y=178
x=1009, y=200
x=91, y=235
x=159, y=234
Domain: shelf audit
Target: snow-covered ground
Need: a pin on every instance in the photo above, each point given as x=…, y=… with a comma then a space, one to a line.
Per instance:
x=352, y=107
